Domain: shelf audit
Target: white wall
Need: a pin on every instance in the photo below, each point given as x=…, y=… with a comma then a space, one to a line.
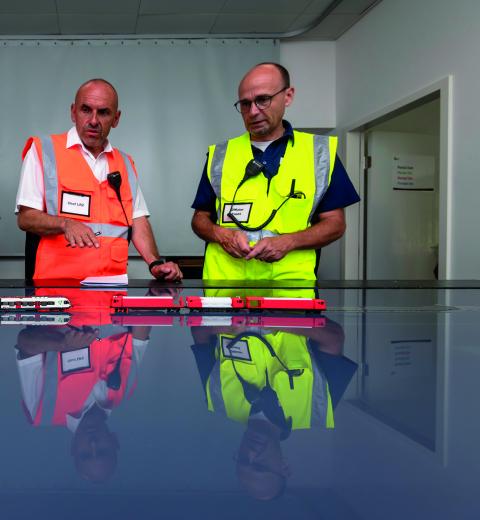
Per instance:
x=312, y=70
x=396, y=50
x=175, y=95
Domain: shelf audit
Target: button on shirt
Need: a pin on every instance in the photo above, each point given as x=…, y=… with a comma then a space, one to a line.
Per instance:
x=340, y=193
x=31, y=189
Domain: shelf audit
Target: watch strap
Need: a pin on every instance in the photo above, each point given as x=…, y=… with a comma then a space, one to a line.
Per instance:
x=160, y=261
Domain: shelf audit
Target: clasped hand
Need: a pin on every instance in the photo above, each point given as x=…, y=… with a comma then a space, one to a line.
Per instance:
x=270, y=249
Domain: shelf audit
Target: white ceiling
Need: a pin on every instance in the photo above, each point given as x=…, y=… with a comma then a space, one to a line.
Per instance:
x=305, y=19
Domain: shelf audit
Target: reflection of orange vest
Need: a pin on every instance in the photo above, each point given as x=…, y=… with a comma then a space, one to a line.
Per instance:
x=66, y=175
x=67, y=393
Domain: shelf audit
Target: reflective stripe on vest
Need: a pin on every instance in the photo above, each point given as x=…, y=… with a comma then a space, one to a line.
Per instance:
x=50, y=389
x=105, y=331
x=215, y=389
x=216, y=169
x=322, y=411
x=132, y=178
x=321, y=150
x=50, y=175
x=255, y=236
x=108, y=230
x=132, y=373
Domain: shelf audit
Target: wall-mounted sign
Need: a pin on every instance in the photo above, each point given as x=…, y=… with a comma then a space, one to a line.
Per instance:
x=413, y=172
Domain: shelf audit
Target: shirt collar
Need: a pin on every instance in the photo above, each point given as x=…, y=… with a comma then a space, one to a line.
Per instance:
x=288, y=131
x=74, y=420
x=73, y=139
x=287, y=134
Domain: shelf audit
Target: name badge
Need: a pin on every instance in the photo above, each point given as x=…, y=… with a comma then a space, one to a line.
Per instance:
x=75, y=203
x=75, y=360
x=238, y=351
x=241, y=211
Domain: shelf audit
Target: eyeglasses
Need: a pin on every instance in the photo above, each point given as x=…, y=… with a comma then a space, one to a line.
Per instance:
x=261, y=102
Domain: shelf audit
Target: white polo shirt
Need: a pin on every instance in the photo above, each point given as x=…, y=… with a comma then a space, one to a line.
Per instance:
x=31, y=189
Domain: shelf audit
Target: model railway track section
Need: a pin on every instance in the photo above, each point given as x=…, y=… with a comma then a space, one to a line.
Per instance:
x=122, y=303
x=199, y=311
x=34, y=303
x=215, y=320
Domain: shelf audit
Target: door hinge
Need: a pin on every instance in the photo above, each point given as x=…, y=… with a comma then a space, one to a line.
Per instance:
x=367, y=162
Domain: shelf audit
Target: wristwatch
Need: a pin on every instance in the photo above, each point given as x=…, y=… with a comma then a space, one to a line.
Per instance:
x=162, y=260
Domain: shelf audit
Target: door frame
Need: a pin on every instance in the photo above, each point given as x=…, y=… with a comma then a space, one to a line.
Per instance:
x=354, y=241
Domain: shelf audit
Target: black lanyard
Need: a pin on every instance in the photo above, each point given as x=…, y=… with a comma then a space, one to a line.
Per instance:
x=253, y=169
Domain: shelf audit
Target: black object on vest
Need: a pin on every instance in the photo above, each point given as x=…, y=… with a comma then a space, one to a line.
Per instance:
x=115, y=181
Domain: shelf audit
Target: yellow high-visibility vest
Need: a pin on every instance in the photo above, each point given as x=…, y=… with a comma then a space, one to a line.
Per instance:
x=309, y=161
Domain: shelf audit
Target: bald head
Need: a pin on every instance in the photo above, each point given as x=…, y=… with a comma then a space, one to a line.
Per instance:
x=99, y=81
x=271, y=68
x=266, y=81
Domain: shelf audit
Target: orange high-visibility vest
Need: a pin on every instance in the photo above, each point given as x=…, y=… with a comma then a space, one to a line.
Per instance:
x=68, y=178
x=66, y=393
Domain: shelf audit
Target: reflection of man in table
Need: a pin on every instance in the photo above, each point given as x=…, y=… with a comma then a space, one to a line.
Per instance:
x=74, y=377
x=274, y=381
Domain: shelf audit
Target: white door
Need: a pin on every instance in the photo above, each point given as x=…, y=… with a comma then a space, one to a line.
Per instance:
x=401, y=218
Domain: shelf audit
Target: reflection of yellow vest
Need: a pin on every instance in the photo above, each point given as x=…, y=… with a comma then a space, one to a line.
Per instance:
x=307, y=403
x=309, y=161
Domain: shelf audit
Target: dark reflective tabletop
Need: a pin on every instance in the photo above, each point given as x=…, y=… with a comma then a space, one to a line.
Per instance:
x=359, y=411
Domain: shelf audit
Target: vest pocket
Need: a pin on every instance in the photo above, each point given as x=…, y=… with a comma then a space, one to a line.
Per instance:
x=119, y=253
x=293, y=216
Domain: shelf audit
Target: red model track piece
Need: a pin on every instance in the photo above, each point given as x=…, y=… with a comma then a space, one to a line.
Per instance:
x=123, y=303
x=307, y=304
x=214, y=302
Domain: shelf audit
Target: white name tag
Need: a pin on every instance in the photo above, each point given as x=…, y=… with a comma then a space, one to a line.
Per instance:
x=239, y=350
x=75, y=360
x=241, y=211
x=75, y=203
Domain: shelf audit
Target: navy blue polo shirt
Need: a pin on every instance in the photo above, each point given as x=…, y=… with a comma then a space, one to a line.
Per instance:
x=340, y=193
